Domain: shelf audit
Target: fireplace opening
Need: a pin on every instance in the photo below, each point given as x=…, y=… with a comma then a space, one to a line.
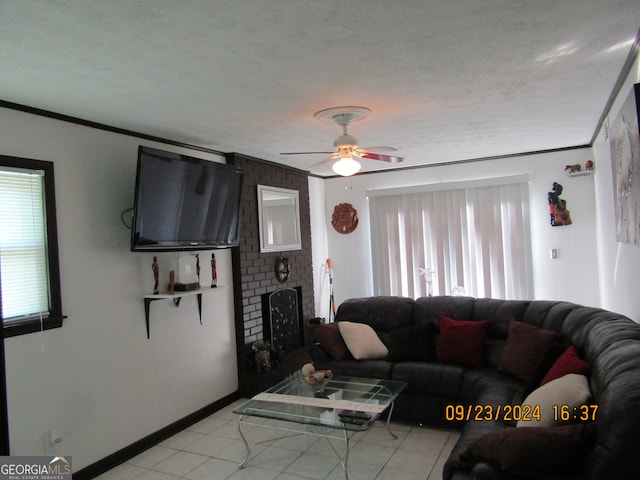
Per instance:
x=282, y=319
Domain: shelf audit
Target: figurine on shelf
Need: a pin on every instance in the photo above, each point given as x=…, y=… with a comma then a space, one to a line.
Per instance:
x=172, y=282
x=573, y=168
x=214, y=273
x=198, y=266
x=156, y=276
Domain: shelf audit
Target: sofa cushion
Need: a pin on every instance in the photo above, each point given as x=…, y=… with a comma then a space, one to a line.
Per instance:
x=525, y=349
x=461, y=342
x=548, y=314
x=571, y=390
x=534, y=451
x=413, y=343
x=381, y=313
x=568, y=362
x=330, y=339
x=430, y=377
x=487, y=386
x=362, y=341
x=429, y=309
x=499, y=313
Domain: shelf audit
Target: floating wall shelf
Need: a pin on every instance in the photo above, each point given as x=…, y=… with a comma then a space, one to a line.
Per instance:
x=584, y=173
x=176, y=297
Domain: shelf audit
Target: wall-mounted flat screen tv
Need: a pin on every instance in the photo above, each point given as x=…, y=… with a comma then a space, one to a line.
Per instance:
x=184, y=203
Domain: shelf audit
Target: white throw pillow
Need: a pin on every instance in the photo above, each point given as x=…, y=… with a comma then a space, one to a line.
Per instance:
x=571, y=390
x=362, y=341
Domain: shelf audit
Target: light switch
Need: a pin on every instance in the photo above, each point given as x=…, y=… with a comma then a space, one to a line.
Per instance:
x=554, y=254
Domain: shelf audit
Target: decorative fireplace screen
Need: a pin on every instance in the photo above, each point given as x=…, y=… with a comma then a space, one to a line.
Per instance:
x=282, y=319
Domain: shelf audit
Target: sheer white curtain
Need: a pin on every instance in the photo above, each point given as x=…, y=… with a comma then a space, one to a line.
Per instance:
x=474, y=237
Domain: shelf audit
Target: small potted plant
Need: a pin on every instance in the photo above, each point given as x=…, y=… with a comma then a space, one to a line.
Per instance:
x=262, y=355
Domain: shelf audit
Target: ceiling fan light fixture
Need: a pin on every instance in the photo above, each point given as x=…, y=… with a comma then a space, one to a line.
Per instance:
x=346, y=167
x=345, y=140
x=346, y=145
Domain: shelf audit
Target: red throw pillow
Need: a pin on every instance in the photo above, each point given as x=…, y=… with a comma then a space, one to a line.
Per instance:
x=329, y=338
x=461, y=342
x=568, y=362
x=526, y=346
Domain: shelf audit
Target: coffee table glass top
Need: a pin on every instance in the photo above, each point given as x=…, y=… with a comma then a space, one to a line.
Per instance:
x=294, y=401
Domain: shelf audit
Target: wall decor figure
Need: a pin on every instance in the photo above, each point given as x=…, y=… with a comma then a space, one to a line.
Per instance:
x=558, y=213
x=344, y=218
x=214, y=271
x=624, y=137
x=172, y=282
x=282, y=269
x=156, y=276
x=198, y=266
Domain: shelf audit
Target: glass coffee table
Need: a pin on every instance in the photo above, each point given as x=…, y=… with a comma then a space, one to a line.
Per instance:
x=342, y=407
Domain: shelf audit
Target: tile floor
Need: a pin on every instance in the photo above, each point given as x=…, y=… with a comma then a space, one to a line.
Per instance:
x=212, y=450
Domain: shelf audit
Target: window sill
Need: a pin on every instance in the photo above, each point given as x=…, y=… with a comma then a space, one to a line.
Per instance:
x=32, y=325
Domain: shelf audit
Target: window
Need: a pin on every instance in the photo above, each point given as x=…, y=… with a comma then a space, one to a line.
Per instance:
x=29, y=270
x=473, y=237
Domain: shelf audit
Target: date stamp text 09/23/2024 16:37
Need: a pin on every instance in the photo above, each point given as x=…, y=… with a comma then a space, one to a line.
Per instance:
x=519, y=413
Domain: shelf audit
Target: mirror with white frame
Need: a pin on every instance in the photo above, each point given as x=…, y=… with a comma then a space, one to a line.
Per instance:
x=278, y=219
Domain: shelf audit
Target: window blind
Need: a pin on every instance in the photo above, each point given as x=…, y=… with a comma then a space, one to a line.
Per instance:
x=476, y=238
x=23, y=250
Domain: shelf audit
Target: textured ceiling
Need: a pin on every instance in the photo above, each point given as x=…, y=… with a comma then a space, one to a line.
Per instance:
x=446, y=81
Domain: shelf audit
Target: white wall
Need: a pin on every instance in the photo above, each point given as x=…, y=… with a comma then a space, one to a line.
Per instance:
x=98, y=378
x=573, y=276
x=619, y=262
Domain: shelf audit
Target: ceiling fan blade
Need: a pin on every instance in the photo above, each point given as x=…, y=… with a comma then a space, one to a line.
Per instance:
x=322, y=162
x=377, y=149
x=384, y=158
x=306, y=153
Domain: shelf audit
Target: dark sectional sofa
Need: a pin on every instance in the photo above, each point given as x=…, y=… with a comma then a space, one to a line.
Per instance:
x=609, y=447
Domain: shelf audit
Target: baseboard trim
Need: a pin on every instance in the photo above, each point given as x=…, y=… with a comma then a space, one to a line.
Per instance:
x=130, y=451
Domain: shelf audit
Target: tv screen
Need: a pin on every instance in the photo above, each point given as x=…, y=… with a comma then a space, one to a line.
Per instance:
x=184, y=203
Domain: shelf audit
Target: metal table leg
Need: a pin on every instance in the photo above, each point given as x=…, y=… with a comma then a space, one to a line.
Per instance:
x=246, y=444
x=345, y=436
x=395, y=437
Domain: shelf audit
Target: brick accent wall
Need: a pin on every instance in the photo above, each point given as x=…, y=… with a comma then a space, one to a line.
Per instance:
x=254, y=272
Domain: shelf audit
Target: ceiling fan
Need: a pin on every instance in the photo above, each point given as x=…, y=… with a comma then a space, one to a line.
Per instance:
x=346, y=146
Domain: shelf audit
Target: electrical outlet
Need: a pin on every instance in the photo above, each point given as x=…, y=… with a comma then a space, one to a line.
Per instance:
x=52, y=438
